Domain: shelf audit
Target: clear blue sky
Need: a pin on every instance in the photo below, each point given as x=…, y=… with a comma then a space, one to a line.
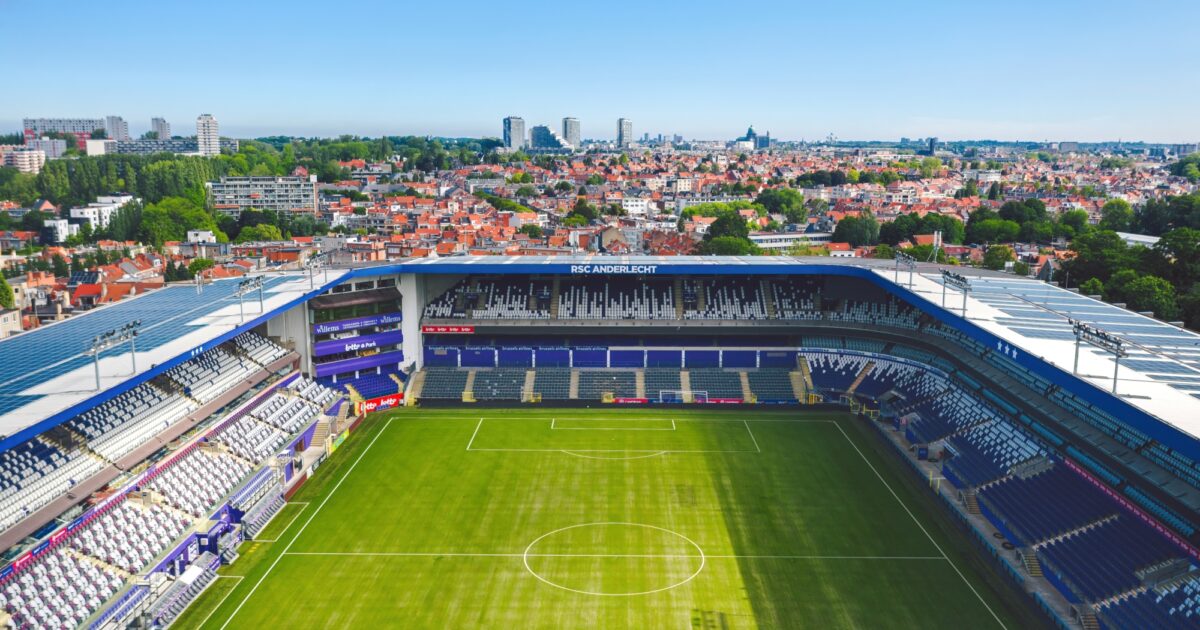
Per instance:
x=1042, y=70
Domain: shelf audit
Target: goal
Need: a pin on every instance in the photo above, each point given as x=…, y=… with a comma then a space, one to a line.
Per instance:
x=682, y=396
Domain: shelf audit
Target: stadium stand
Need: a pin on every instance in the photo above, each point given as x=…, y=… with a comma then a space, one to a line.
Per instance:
x=498, y=384
x=593, y=384
x=34, y=473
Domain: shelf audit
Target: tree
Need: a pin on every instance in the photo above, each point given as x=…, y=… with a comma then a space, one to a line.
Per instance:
x=171, y=218
x=1021, y=268
x=532, y=230
x=1151, y=293
x=1091, y=286
x=727, y=246
x=594, y=180
x=526, y=191
x=997, y=256
x=6, y=295
x=1098, y=254
x=884, y=251
x=200, y=264
x=1116, y=215
x=1189, y=306
x=995, y=191
x=785, y=201
x=857, y=231
x=60, y=267
x=260, y=232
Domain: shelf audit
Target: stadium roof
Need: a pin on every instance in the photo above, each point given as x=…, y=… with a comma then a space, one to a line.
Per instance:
x=47, y=375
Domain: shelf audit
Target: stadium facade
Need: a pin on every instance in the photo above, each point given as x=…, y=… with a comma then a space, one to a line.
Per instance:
x=1065, y=429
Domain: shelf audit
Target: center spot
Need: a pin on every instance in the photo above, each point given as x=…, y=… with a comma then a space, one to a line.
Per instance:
x=614, y=559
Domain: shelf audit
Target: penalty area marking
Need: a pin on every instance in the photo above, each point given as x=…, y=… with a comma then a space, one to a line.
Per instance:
x=558, y=428
x=641, y=452
x=525, y=559
x=618, y=457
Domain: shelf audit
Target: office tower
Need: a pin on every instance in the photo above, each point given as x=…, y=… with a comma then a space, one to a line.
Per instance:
x=514, y=133
x=116, y=127
x=543, y=137
x=570, y=132
x=624, y=132
x=208, y=137
x=161, y=128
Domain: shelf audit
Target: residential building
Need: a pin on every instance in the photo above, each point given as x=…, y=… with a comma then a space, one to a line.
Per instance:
x=514, y=133
x=170, y=145
x=161, y=128
x=208, y=136
x=102, y=146
x=543, y=137
x=57, y=231
x=53, y=148
x=80, y=127
x=624, y=132
x=117, y=128
x=24, y=159
x=231, y=195
x=570, y=132
x=782, y=241
x=100, y=212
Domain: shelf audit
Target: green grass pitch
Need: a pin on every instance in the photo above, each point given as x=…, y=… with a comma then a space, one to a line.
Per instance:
x=610, y=518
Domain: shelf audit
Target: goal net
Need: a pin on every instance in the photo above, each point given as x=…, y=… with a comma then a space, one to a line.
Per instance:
x=682, y=396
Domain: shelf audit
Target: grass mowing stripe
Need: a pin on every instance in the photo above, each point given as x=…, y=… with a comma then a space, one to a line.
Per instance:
x=918, y=522
x=452, y=554
x=305, y=526
x=238, y=580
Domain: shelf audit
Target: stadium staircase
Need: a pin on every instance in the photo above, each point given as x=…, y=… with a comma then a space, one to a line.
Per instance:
x=573, y=390
x=414, y=388
x=768, y=299
x=468, y=393
x=862, y=375
x=554, y=297
x=701, y=303
x=527, y=388
x=354, y=395
x=797, y=380
x=639, y=383
x=399, y=382
x=1078, y=530
x=321, y=433
x=806, y=372
x=1087, y=618
x=685, y=383
x=1033, y=566
x=971, y=501
x=679, y=297
x=747, y=395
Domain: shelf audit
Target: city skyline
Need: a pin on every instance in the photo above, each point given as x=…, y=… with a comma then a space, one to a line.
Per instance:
x=1081, y=72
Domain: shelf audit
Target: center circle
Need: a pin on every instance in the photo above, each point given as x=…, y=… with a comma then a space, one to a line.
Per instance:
x=614, y=559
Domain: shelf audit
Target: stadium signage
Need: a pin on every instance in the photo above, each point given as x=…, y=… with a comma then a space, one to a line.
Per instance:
x=361, y=342
x=614, y=269
x=379, y=404
x=357, y=322
x=451, y=330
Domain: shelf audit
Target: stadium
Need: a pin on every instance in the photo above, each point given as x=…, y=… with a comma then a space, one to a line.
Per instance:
x=711, y=442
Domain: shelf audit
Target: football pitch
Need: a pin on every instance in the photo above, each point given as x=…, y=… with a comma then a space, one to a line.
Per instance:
x=610, y=518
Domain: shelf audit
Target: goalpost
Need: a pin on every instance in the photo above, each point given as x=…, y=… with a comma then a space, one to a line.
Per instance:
x=682, y=396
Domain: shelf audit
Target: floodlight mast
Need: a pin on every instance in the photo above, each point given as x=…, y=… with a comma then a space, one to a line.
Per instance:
x=1114, y=345
x=113, y=338
x=959, y=282
x=246, y=286
x=908, y=261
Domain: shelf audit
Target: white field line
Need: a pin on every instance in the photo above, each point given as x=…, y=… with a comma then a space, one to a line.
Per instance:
x=923, y=530
x=516, y=418
x=751, y=435
x=555, y=427
x=434, y=554
x=303, y=506
x=225, y=597
x=598, y=450
x=306, y=524
x=472, y=441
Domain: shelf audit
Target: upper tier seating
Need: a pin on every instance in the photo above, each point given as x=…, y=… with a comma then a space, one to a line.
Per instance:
x=35, y=473
x=726, y=298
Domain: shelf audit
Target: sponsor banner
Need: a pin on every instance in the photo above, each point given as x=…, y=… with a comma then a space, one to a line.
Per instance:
x=361, y=342
x=359, y=363
x=333, y=446
x=358, y=322
x=378, y=404
x=631, y=401
x=449, y=330
x=614, y=269
x=722, y=401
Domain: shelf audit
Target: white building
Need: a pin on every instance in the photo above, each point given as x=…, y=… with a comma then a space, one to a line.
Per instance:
x=62, y=229
x=101, y=147
x=288, y=195
x=23, y=159
x=638, y=206
x=117, y=128
x=570, y=131
x=99, y=213
x=208, y=136
x=514, y=133
x=624, y=132
x=782, y=241
x=201, y=236
x=161, y=128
